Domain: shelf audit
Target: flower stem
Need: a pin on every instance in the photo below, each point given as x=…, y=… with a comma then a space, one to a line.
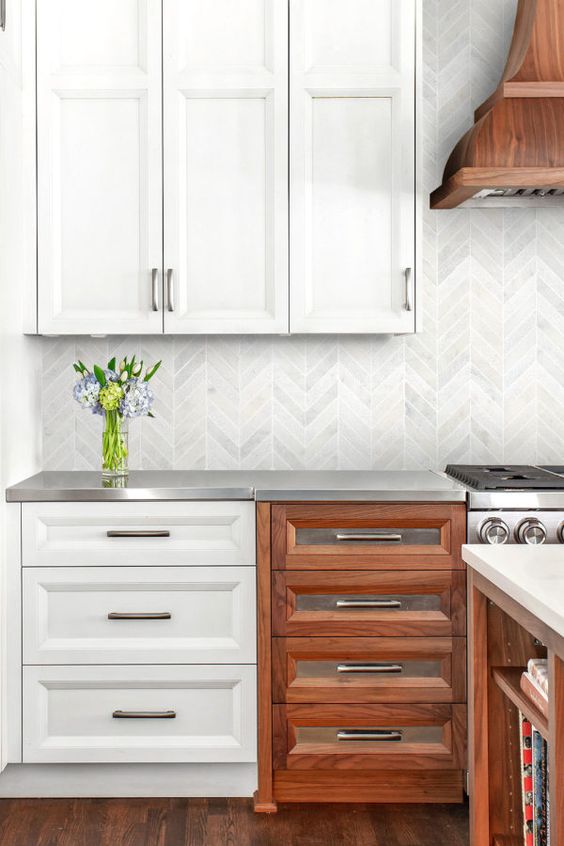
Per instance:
x=114, y=445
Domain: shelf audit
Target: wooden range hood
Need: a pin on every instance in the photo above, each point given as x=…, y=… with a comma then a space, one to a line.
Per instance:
x=514, y=153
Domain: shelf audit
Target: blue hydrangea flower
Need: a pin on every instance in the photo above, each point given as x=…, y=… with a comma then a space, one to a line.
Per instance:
x=137, y=400
x=86, y=391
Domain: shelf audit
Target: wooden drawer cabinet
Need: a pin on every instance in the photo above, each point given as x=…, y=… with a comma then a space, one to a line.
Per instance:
x=368, y=670
x=343, y=737
x=377, y=536
x=139, y=615
x=57, y=534
x=361, y=652
x=390, y=603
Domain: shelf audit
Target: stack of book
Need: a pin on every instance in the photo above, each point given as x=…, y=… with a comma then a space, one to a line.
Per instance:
x=534, y=759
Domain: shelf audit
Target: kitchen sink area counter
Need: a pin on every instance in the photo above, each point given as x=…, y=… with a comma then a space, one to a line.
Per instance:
x=262, y=485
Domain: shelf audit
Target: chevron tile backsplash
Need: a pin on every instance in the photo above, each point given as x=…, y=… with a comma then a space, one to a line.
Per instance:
x=483, y=382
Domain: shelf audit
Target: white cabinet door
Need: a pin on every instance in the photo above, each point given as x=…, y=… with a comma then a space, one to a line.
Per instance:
x=184, y=714
x=352, y=165
x=139, y=615
x=225, y=166
x=99, y=165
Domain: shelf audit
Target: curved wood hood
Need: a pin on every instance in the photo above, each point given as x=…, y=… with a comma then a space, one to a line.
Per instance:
x=514, y=153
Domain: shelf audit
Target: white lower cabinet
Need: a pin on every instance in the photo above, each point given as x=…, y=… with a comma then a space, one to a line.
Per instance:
x=139, y=714
x=138, y=634
x=138, y=615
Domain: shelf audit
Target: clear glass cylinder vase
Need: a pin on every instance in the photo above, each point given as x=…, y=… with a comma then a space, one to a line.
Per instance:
x=115, y=452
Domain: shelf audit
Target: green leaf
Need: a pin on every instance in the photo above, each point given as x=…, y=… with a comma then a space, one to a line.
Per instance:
x=82, y=366
x=152, y=371
x=77, y=368
x=150, y=414
x=100, y=375
x=112, y=364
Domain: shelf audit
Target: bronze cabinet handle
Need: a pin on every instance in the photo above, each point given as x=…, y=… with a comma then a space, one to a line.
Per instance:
x=140, y=615
x=371, y=537
x=369, y=734
x=144, y=715
x=369, y=668
x=369, y=603
x=138, y=533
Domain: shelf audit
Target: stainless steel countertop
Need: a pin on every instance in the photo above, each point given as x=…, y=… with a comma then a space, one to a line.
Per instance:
x=261, y=485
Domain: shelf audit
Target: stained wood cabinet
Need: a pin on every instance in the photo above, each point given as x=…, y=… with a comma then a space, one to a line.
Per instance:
x=241, y=166
x=361, y=652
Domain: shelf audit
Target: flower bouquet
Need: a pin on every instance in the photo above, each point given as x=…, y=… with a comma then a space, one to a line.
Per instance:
x=116, y=393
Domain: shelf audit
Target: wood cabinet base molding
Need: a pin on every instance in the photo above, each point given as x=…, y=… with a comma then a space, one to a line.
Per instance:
x=361, y=653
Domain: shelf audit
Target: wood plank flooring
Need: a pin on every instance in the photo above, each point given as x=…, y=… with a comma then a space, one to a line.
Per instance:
x=225, y=822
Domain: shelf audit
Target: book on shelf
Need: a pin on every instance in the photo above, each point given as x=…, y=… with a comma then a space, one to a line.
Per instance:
x=540, y=788
x=538, y=669
x=534, y=692
x=526, y=745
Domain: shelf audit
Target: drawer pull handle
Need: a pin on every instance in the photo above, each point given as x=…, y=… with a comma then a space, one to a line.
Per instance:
x=369, y=603
x=144, y=715
x=371, y=537
x=157, y=615
x=138, y=533
x=367, y=734
x=370, y=668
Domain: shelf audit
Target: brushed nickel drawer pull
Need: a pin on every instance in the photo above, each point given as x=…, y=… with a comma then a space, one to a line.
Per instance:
x=138, y=533
x=371, y=537
x=370, y=668
x=144, y=715
x=367, y=734
x=369, y=603
x=158, y=615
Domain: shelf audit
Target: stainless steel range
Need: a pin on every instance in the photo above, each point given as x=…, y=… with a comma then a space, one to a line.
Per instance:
x=513, y=503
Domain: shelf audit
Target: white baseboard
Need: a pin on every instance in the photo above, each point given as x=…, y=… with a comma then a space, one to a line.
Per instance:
x=51, y=781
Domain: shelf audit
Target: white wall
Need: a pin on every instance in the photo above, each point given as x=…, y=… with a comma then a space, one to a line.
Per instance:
x=483, y=382
x=20, y=360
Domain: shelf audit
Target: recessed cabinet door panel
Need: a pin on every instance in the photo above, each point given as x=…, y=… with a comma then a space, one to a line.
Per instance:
x=225, y=159
x=352, y=165
x=138, y=615
x=99, y=165
x=146, y=714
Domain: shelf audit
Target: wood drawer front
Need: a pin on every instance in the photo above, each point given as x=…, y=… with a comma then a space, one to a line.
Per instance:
x=368, y=670
x=211, y=615
x=68, y=714
x=431, y=603
x=73, y=533
x=413, y=537
x=430, y=737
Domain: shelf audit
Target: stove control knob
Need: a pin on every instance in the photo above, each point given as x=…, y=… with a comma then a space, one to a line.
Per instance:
x=493, y=531
x=531, y=531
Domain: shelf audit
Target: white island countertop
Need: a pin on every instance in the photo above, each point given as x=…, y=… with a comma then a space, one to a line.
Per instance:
x=531, y=575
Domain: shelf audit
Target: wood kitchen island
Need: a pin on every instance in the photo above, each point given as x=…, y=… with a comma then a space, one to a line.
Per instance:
x=516, y=612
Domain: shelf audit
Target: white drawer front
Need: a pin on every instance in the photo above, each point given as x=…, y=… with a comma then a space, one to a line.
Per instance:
x=73, y=533
x=200, y=615
x=68, y=714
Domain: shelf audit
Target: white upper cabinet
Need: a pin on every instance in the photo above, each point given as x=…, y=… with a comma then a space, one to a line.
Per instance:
x=226, y=166
x=99, y=165
x=352, y=165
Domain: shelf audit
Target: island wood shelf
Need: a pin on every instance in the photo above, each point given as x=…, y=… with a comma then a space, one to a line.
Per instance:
x=503, y=635
x=508, y=679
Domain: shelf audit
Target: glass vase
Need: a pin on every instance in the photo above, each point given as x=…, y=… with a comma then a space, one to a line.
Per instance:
x=115, y=451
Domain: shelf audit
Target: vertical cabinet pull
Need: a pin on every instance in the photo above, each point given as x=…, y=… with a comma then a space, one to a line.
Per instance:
x=408, y=275
x=2, y=15
x=155, y=289
x=170, y=289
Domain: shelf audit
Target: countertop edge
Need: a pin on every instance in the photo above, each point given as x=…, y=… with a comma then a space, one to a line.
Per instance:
x=536, y=607
x=130, y=495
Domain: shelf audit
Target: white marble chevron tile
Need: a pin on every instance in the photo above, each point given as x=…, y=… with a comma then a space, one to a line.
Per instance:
x=255, y=403
x=321, y=403
x=356, y=390
x=289, y=403
x=190, y=403
x=223, y=443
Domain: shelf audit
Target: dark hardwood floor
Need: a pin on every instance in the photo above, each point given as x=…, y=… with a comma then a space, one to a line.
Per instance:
x=225, y=822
